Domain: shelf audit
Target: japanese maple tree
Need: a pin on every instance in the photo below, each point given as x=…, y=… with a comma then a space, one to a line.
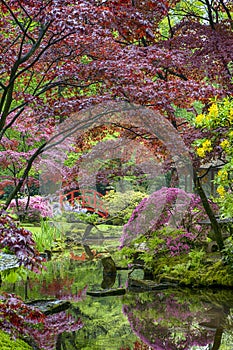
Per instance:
x=62, y=57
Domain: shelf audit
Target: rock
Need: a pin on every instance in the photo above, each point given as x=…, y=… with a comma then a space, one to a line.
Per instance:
x=47, y=255
x=146, y=285
x=107, y=292
x=109, y=272
x=212, y=247
x=49, y=307
x=108, y=265
x=8, y=261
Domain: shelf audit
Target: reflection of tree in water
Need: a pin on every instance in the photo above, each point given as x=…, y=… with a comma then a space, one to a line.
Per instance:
x=175, y=320
x=138, y=346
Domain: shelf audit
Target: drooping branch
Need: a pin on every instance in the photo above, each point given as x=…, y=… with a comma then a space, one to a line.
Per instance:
x=17, y=188
x=3, y=131
x=7, y=96
x=58, y=138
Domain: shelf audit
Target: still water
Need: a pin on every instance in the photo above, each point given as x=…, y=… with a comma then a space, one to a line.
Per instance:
x=169, y=319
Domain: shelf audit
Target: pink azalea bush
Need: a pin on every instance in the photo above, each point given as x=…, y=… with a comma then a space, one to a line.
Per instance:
x=180, y=242
x=37, y=208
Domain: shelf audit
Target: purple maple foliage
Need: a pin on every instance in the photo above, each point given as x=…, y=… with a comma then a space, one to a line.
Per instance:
x=168, y=207
x=18, y=241
x=180, y=244
x=16, y=317
x=28, y=322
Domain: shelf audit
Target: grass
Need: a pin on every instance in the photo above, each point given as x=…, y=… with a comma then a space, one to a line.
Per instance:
x=7, y=343
x=33, y=229
x=44, y=235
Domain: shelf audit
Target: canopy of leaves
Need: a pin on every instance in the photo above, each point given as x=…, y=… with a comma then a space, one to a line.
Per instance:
x=57, y=58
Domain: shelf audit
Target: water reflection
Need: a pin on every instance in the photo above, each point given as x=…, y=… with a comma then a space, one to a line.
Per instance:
x=178, y=319
x=181, y=319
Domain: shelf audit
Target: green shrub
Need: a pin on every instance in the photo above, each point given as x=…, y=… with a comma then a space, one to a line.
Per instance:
x=120, y=205
x=228, y=252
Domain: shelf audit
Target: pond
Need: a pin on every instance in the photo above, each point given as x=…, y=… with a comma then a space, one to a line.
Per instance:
x=173, y=318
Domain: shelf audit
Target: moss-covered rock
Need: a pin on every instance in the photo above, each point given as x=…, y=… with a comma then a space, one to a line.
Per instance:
x=6, y=343
x=189, y=271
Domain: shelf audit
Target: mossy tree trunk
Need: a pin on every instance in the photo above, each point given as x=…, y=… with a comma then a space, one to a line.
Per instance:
x=214, y=223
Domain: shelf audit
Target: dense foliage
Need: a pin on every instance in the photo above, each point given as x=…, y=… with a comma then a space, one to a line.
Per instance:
x=22, y=320
x=218, y=120
x=59, y=58
x=7, y=343
x=121, y=204
x=171, y=207
x=31, y=209
x=18, y=241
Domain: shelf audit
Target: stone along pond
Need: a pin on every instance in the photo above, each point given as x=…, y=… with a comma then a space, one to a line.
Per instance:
x=165, y=319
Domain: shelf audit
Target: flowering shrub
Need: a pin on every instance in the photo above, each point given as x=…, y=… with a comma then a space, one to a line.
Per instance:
x=180, y=244
x=18, y=241
x=165, y=241
x=38, y=207
x=219, y=122
x=168, y=207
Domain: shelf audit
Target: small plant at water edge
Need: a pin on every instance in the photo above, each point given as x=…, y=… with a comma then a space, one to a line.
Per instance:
x=46, y=237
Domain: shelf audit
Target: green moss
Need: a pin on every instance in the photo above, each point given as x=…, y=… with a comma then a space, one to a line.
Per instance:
x=219, y=274
x=6, y=343
x=185, y=270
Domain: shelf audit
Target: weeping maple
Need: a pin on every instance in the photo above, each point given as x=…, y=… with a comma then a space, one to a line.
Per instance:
x=60, y=57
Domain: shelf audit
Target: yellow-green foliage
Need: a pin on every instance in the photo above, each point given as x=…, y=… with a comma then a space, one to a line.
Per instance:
x=6, y=343
x=219, y=120
x=121, y=205
x=193, y=270
x=220, y=274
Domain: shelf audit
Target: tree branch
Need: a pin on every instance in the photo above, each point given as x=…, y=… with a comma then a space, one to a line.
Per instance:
x=16, y=19
x=227, y=11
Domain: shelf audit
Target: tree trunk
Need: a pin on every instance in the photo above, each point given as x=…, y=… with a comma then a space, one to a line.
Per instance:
x=217, y=339
x=214, y=223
